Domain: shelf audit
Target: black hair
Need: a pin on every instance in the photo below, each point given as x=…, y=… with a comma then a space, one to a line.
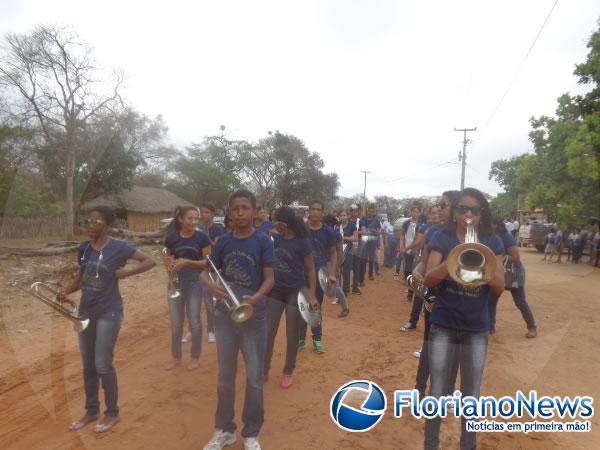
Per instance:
x=179, y=213
x=452, y=195
x=370, y=206
x=107, y=213
x=485, y=224
x=243, y=193
x=210, y=207
x=317, y=201
x=330, y=220
x=500, y=225
x=288, y=216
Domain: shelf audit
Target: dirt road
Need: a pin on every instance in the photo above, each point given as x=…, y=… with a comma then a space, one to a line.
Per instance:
x=41, y=383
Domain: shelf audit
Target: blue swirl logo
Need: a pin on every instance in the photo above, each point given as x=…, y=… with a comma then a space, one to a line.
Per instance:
x=358, y=406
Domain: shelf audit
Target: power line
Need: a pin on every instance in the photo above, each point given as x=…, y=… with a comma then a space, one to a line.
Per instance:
x=419, y=172
x=463, y=156
x=510, y=85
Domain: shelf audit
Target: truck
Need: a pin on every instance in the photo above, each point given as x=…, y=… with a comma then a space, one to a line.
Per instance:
x=535, y=234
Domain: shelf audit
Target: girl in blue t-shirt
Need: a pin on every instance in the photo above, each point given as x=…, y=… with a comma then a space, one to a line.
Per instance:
x=460, y=319
x=101, y=266
x=518, y=292
x=294, y=265
x=188, y=249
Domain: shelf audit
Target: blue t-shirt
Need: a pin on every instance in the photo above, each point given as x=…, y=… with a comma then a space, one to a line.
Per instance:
x=290, y=271
x=265, y=227
x=321, y=241
x=507, y=240
x=431, y=232
x=215, y=231
x=188, y=248
x=373, y=225
x=99, y=285
x=348, y=230
x=456, y=306
x=419, y=227
x=241, y=263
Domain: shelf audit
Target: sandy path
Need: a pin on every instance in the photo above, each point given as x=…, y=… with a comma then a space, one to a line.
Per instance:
x=41, y=386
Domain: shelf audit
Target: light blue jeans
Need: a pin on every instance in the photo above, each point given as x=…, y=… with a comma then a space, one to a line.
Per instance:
x=187, y=303
x=448, y=347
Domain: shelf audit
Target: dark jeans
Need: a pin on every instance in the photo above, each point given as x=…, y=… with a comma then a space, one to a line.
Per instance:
x=251, y=338
x=448, y=347
x=409, y=259
x=187, y=303
x=415, y=312
x=281, y=300
x=210, y=310
x=96, y=345
x=346, y=269
x=519, y=299
x=317, y=332
x=358, y=276
x=371, y=250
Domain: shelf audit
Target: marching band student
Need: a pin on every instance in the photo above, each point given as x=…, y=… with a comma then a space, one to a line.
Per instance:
x=101, y=266
x=340, y=296
x=371, y=226
x=409, y=244
x=358, y=276
x=518, y=293
x=423, y=369
x=323, y=242
x=188, y=249
x=460, y=318
x=294, y=265
x=261, y=221
x=350, y=237
x=214, y=231
x=433, y=219
x=245, y=259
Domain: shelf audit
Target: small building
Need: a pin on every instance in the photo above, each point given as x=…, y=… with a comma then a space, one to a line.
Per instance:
x=140, y=209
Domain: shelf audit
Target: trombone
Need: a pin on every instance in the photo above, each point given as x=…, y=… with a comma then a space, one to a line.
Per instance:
x=472, y=263
x=48, y=295
x=172, y=290
x=240, y=312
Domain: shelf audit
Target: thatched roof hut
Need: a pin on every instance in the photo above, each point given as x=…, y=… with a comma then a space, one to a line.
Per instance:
x=142, y=207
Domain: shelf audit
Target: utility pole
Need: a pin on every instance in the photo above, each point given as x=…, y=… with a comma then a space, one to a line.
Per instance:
x=365, y=190
x=463, y=157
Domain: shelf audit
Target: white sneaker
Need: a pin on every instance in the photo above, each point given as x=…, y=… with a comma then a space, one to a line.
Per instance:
x=251, y=443
x=417, y=354
x=335, y=301
x=219, y=440
x=187, y=337
x=211, y=337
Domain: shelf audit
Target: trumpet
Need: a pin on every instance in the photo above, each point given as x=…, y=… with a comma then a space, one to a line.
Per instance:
x=172, y=290
x=472, y=263
x=48, y=295
x=415, y=284
x=240, y=312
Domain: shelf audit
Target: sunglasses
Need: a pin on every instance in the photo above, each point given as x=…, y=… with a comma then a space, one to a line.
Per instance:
x=463, y=209
x=91, y=222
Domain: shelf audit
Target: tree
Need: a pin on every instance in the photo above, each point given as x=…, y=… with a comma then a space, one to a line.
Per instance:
x=562, y=176
x=52, y=72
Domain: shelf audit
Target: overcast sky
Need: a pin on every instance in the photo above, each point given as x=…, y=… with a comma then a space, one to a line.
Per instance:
x=374, y=85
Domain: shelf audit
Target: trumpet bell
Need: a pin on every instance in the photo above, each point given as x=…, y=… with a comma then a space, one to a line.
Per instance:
x=241, y=313
x=471, y=264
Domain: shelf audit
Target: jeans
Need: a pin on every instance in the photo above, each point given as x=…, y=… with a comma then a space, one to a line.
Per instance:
x=415, y=312
x=371, y=250
x=96, y=345
x=409, y=259
x=519, y=299
x=423, y=367
x=210, y=310
x=446, y=348
x=317, y=332
x=281, y=300
x=346, y=269
x=251, y=338
x=358, y=276
x=187, y=303
x=389, y=257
